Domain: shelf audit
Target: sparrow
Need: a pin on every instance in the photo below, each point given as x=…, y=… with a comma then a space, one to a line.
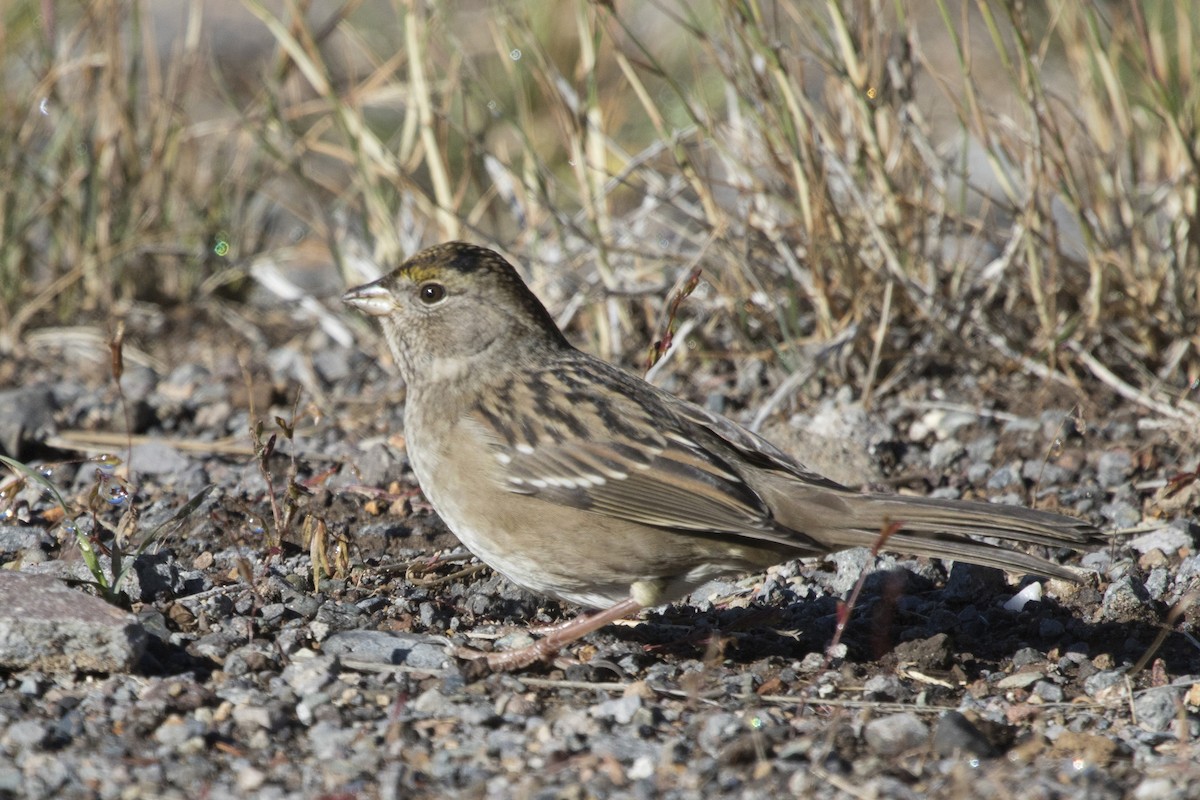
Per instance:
x=582, y=482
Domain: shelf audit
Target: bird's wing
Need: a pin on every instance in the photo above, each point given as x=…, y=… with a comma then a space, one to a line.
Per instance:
x=626, y=452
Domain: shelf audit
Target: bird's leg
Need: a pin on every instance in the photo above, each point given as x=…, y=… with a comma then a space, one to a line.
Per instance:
x=554, y=627
x=561, y=636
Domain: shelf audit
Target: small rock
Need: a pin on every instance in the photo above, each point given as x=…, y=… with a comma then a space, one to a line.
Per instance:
x=25, y=734
x=944, y=453
x=1006, y=476
x=250, y=779
x=252, y=717
x=620, y=710
x=1032, y=592
x=45, y=625
x=982, y=449
x=1126, y=600
x=1094, y=684
x=249, y=659
x=379, y=464
x=26, y=418
x=1113, y=468
x=1121, y=514
x=1154, y=788
x=332, y=365
x=1097, y=560
x=158, y=577
x=1048, y=692
x=1019, y=680
x=955, y=733
x=641, y=768
x=895, y=734
x=157, y=458
x=1026, y=656
x=1168, y=540
x=812, y=662
x=940, y=423
x=1156, y=709
x=431, y=702
x=718, y=728
x=175, y=730
x=884, y=687
x=381, y=647
x=930, y=653
x=15, y=538
x=307, y=676
x=1042, y=474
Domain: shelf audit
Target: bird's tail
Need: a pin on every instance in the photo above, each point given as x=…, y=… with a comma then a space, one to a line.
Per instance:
x=923, y=526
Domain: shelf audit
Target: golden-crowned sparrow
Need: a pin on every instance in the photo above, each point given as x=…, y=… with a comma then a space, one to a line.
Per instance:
x=580, y=481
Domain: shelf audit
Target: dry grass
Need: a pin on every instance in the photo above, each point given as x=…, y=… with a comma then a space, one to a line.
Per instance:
x=983, y=180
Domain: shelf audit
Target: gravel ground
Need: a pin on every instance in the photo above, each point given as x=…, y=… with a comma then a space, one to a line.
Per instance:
x=228, y=673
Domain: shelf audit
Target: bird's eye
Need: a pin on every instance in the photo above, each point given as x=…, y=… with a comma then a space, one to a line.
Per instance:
x=431, y=293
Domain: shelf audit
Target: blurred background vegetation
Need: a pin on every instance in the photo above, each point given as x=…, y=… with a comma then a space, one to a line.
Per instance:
x=954, y=184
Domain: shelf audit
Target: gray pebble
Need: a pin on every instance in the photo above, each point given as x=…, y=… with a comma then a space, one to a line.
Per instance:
x=1121, y=514
x=381, y=647
x=157, y=458
x=884, y=686
x=1094, y=684
x=1019, y=680
x=1026, y=656
x=308, y=676
x=957, y=734
x=1169, y=540
x=1126, y=600
x=26, y=418
x=718, y=728
x=1113, y=467
x=1157, y=787
x=332, y=364
x=175, y=731
x=1156, y=709
x=25, y=734
x=944, y=453
x=895, y=734
x=982, y=449
x=1044, y=474
x=15, y=538
x=1048, y=692
x=46, y=625
x=620, y=710
x=1005, y=476
x=251, y=717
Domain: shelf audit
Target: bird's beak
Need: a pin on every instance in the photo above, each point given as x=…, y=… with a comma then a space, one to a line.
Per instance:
x=370, y=298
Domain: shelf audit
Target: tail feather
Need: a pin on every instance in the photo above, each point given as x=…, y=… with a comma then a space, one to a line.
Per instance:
x=936, y=528
x=957, y=548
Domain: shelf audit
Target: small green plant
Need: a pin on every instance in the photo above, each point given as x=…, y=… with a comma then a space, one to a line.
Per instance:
x=107, y=491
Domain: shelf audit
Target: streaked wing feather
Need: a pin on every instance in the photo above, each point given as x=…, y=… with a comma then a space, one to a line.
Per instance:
x=673, y=490
x=581, y=455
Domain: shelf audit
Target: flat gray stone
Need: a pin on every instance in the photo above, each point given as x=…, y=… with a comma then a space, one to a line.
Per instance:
x=1169, y=540
x=48, y=626
x=382, y=647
